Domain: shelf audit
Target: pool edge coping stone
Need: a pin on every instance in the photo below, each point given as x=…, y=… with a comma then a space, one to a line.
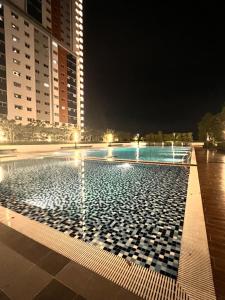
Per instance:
x=195, y=271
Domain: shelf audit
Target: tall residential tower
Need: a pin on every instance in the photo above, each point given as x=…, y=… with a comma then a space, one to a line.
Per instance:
x=41, y=61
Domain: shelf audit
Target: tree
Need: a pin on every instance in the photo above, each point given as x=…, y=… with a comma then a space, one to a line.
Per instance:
x=109, y=136
x=10, y=128
x=204, y=127
x=124, y=136
x=211, y=127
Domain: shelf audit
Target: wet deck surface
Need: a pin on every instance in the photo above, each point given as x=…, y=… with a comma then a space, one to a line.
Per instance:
x=211, y=169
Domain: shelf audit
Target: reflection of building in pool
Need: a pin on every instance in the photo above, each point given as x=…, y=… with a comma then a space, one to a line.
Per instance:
x=41, y=47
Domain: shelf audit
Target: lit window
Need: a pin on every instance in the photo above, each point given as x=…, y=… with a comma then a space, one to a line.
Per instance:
x=15, y=39
x=15, y=27
x=18, y=96
x=18, y=118
x=19, y=107
x=14, y=15
x=15, y=50
x=16, y=73
x=46, y=84
x=54, y=61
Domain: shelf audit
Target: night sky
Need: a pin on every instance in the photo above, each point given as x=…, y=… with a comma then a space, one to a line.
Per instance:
x=152, y=67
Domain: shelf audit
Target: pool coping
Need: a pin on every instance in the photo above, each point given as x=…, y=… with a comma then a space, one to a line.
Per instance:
x=194, y=275
x=195, y=270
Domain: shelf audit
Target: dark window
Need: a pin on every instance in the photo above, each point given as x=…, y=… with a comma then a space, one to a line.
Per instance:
x=34, y=9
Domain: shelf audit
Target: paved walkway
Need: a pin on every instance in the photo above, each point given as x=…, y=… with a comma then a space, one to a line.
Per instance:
x=211, y=168
x=29, y=270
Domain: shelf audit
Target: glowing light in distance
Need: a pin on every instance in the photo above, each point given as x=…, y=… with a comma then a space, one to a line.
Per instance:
x=125, y=166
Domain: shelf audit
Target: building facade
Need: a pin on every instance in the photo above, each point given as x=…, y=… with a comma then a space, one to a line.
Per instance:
x=41, y=61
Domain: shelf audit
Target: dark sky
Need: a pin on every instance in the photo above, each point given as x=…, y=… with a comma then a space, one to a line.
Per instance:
x=151, y=66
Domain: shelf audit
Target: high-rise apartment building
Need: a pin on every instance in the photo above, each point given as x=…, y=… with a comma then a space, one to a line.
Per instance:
x=41, y=61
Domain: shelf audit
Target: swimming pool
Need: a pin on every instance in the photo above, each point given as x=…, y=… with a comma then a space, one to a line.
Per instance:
x=135, y=211
x=152, y=153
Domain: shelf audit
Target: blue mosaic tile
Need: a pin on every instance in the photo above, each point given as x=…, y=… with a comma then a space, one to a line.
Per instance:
x=133, y=211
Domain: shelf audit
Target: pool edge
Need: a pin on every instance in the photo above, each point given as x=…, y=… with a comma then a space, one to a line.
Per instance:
x=195, y=271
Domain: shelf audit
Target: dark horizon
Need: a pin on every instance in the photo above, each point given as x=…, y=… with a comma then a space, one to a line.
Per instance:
x=150, y=69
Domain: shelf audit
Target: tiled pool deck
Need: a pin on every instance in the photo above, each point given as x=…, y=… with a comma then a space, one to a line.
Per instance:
x=145, y=284
x=211, y=168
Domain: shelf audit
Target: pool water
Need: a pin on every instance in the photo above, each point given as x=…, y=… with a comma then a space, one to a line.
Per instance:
x=135, y=211
x=157, y=154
